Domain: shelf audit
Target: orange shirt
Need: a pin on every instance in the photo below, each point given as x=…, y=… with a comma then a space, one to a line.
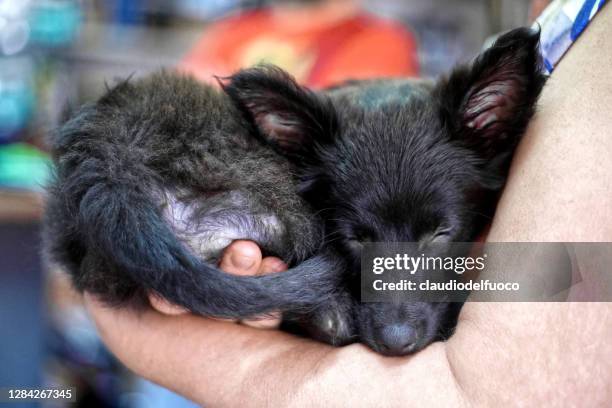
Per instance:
x=316, y=52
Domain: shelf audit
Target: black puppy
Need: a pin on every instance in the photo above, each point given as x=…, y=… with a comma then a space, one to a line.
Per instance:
x=396, y=161
x=155, y=179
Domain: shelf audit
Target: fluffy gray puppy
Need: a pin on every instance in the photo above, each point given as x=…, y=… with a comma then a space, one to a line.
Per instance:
x=155, y=179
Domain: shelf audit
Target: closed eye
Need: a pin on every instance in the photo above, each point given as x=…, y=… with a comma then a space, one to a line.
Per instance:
x=441, y=235
x=359, y=238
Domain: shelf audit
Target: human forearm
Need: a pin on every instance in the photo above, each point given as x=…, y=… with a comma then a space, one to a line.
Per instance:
x=222, y=364
x=214, y=363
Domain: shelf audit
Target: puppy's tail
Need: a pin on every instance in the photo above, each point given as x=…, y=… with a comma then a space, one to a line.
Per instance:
x=124, y=225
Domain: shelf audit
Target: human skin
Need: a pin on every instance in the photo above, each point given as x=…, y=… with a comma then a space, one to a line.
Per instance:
x=239, y=258
x=553, y=354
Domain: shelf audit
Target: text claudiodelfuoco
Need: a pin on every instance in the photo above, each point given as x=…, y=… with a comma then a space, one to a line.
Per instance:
x=411, y=265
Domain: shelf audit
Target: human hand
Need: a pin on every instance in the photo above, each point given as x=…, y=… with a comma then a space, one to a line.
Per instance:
x=239, y=258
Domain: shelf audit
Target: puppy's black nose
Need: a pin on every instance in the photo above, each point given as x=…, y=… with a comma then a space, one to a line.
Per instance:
x=398, y=339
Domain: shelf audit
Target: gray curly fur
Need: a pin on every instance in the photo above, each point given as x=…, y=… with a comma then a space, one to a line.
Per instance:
x=155, y=179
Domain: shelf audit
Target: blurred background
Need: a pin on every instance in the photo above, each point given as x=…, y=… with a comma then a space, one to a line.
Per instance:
x=59, y=53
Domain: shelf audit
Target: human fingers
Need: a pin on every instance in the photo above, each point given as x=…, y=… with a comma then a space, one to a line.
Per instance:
x=268, y=265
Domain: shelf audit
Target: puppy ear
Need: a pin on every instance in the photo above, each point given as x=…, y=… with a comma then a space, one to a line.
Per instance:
x=487, y=105
x=289, y=117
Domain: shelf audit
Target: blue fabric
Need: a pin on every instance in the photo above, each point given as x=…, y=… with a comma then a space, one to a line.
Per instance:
x=582, y=19
x=561, y=23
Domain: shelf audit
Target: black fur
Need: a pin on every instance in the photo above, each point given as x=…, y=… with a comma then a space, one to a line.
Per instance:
x=154, y=180
x=158, y=176
x=397, y=161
